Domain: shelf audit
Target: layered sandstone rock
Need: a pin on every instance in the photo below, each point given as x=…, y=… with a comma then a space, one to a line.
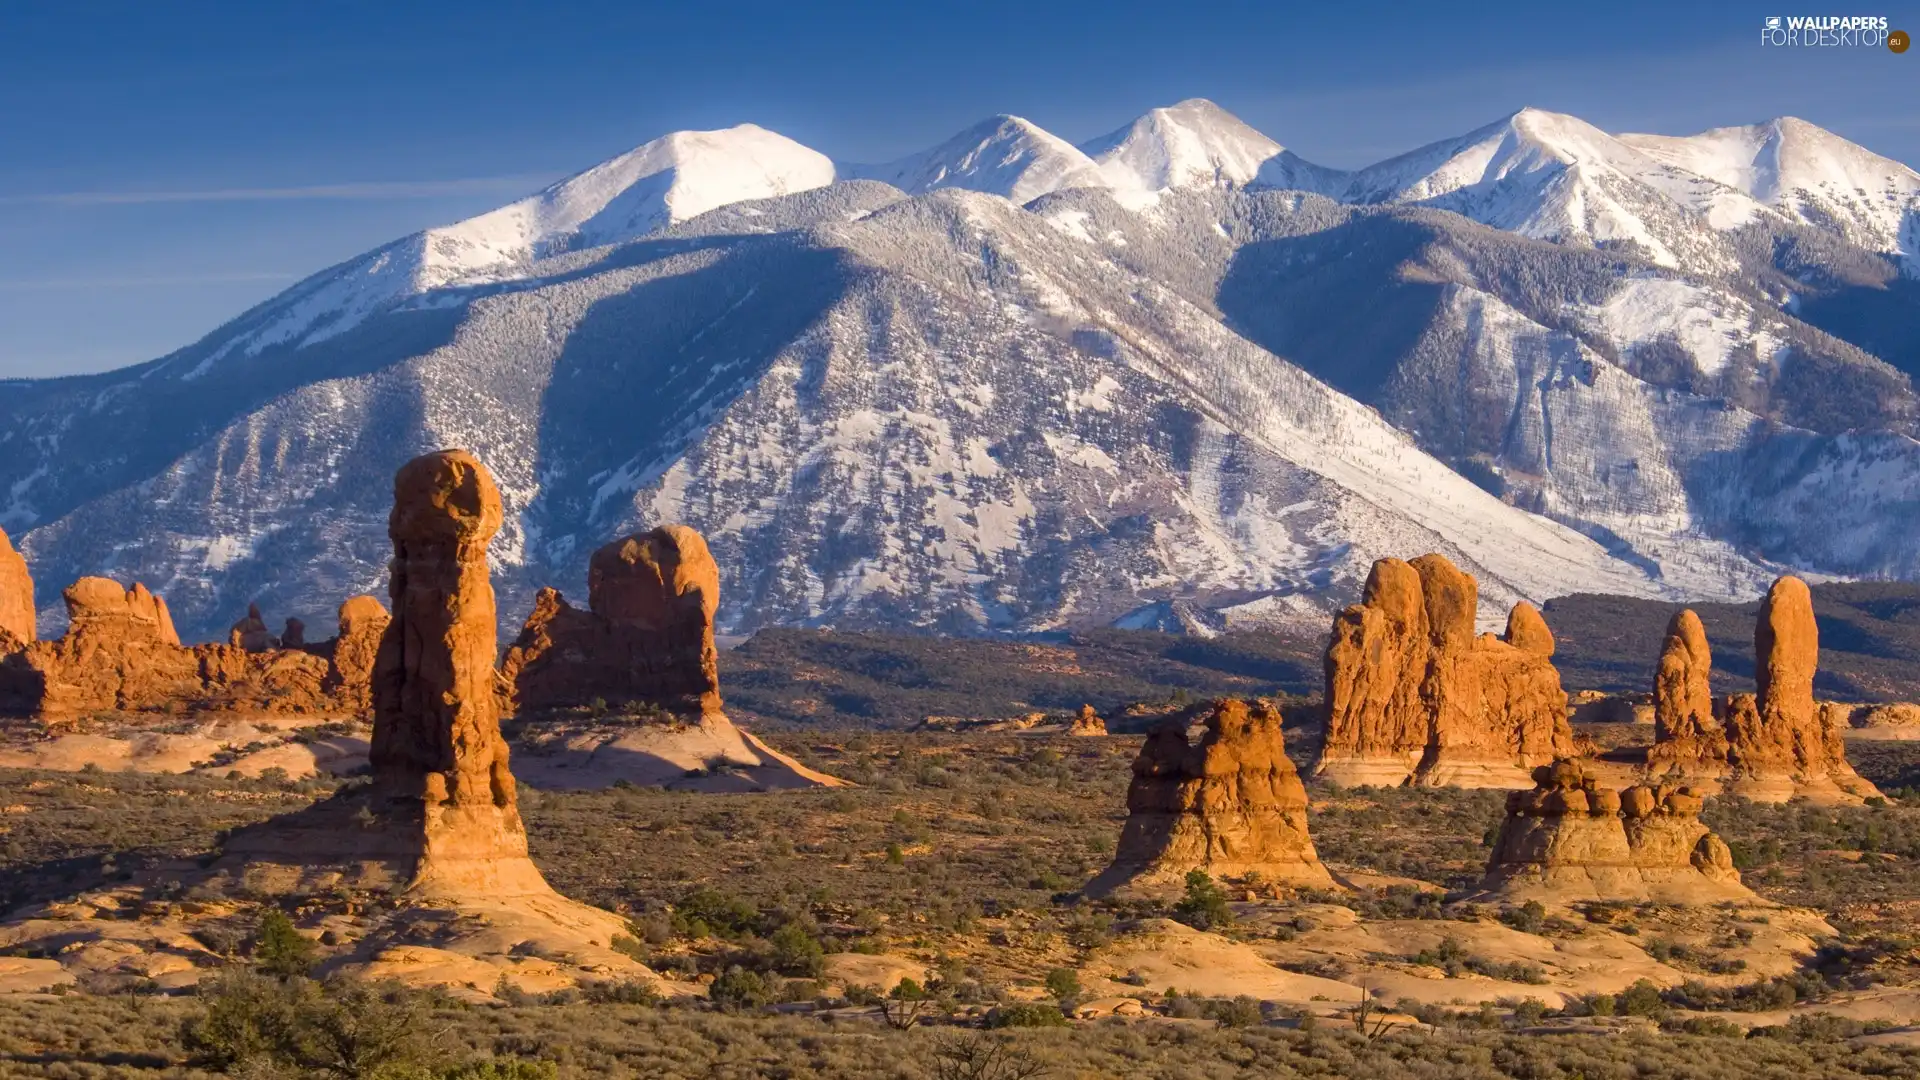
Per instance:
x=1771, y=746
x=645, y=639
x=1227, y=802
x=120, y=654
x=363, y=622
x=1571, y=839
x=1413, y=695
x=17, y=616
x=435, y=835
x=1894, y=720
x=251, y=633
x=1087, y=722
x=441, y=817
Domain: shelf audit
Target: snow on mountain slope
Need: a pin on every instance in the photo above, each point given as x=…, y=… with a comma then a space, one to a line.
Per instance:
x=1556, y=177
x=1808, y=172
x=1192, y=144
x=671, y=179
x=1003, y=155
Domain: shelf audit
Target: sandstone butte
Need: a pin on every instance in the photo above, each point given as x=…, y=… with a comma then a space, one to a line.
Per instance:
x=1414, y=696
x=644, y=649
x=1087, y=722
x=121, y=654
x=1569, y=839
x=646, y=637
x=1228, y=803
x=1771, y=746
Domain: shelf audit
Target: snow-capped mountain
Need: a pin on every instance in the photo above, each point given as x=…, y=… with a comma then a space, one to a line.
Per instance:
x=1020, y=385
x=1810, y=174
x=1003, y=155
x=670, y=179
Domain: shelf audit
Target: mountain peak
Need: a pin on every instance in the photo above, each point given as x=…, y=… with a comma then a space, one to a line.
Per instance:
x=1193, y=143
x=1001, y=155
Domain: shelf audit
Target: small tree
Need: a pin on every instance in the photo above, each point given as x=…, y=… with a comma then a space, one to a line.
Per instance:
x=908, y=1003
x=1204, y=907
x=1063, y=984
x=796, y=952
x=279, y=949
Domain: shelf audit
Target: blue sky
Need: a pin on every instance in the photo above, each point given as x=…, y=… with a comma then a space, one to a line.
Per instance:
x=167, y=165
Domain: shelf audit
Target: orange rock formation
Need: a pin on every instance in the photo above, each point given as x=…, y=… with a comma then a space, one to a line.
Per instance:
x=1229, y=803
x=1770, y=746
x=1413, y=695
x=1570, y=839
x=1087, y=722
x=120, y=654
x=17, y=616
x=646, y=638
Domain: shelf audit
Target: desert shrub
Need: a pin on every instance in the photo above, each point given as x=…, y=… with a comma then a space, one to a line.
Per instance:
x=1529, y=918
x=737, y=989
x=708, y=912
x=1235, y=1012
x=1063, y=984
x=972, y=1056
x=1025, y=1014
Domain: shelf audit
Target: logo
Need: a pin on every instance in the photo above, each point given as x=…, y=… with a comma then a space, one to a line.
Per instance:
x=1831, y=31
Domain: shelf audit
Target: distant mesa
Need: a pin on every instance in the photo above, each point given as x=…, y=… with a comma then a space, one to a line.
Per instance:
x=1771, y=746
x=1571, y=839
x=1213, y=790
x=1413, y=696
x=629, y=689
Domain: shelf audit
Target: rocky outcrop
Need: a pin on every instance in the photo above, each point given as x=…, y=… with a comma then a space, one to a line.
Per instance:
x=251, y=633
x=294, y=636
x=1227, y=802
x=1413, y=695
x=645, y=640
x=1894, y=720
x=1771, y=746
x=1087, y=722
x=441, y=817
x=350, y=660
x=1571, y=839
x=17, y=617
x=120, y=654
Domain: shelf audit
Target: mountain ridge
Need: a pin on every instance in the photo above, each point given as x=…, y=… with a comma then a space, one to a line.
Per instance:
x=1164, y=389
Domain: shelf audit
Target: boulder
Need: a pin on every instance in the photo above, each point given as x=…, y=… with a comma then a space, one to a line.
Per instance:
x=1214, y=790
x=1571, y=839
x=17, y=613
x=1413, y=696
x=1087, y=722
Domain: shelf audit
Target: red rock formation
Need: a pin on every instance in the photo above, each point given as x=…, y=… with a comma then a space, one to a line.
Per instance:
x=1769, y=747
x=251, y=633
x=646, y=638
x=295, y=634
x=120, y=654
x=17, y=615
x=1413, y=695
x=1087, y=722
x=441, y=818
x=1229, y=803
x=363, y=622
x=1570, y=839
